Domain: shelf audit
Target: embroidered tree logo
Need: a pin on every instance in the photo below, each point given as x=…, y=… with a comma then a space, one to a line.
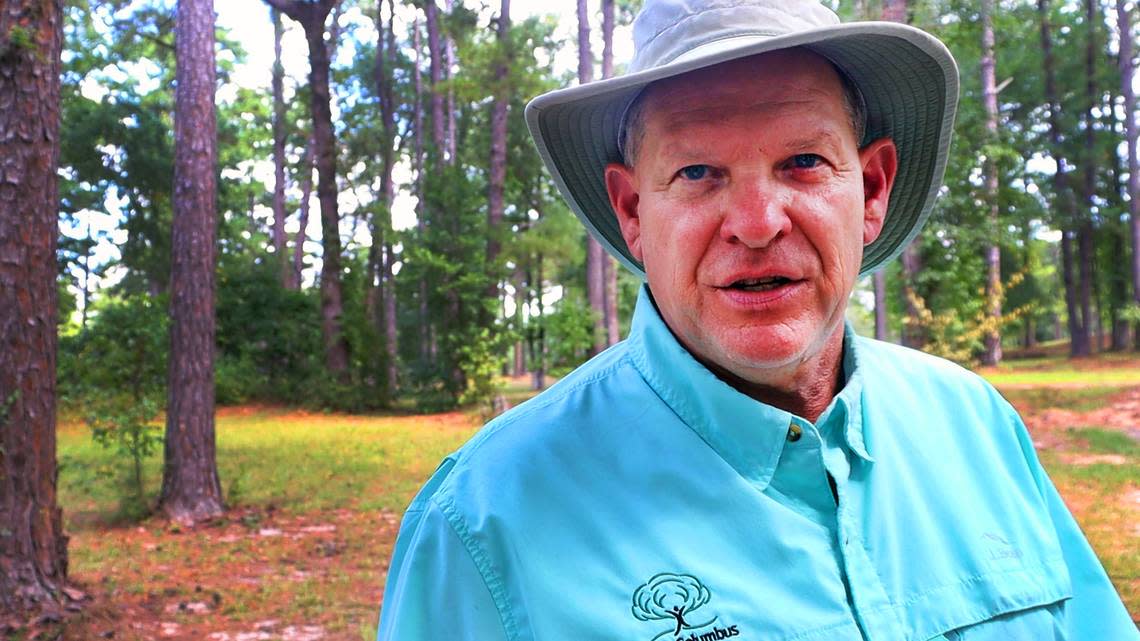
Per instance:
x=670, y=596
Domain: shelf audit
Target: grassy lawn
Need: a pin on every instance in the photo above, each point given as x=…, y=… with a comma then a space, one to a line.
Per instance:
x=315, y=503
x=302, y=554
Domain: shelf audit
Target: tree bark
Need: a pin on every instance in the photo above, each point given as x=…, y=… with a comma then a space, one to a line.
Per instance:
x=1065, y=201
x=421, y=202
x=303, y=218
x=1127, y=75
x=879, y=282
x=449, y=64
x=381, y=296
x=498, y=173
x=595, y=255
x=191, y=491
x=992, y=353
x=609, y=265
x=435, y=62
x=33, y=547
x=521, y=297
x=895, y=11
x=437, y=54
x=913, y=334
x=1082, y=343
x=312, y=16
x=279, y=242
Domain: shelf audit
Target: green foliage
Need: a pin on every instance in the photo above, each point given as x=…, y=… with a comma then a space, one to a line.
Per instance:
x=119, y=356
x=268, y=337
x=572, y=321
x=481, y=361
x=958, y=337
x=127, y=429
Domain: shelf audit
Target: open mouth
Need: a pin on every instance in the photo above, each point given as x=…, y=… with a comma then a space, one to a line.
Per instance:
x=759, y=284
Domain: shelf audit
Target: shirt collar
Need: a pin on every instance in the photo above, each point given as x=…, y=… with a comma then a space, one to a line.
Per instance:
x=747, y=434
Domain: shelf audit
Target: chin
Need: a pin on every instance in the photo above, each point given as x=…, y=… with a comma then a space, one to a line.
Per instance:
x=775, y=347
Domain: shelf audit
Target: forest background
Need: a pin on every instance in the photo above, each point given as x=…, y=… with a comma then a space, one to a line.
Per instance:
x=374, y=232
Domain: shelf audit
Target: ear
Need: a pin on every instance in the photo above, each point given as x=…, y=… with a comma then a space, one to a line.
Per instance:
x=880, y=165
x=621, y=185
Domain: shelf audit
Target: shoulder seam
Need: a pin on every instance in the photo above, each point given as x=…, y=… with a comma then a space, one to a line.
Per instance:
x=491, y=579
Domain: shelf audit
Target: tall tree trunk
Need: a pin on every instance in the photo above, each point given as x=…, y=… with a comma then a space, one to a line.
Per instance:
x=279, y=152
x=449, y=65
x=33, y=548
x=1127, y=75
x=913, y=332
x=595, y=255
x=435, y=54
x=191, y=491
x=894, y=11
x=498, y=148
x=383, y=311
x=303, y=218
x=1065, y=200
x=312, y=16
x=992, y=354
x=1029, y=338
x=422, y=213
x=879, y=283
x=609, y=265
x=438, y=54
x=1085, y=231
x=520, y=285
x=540, y=357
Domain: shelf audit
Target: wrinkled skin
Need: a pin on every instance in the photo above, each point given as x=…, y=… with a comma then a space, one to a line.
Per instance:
x=746, y=171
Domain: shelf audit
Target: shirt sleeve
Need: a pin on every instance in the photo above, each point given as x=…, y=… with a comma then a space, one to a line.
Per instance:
x=1095, y=611
x=435, y=592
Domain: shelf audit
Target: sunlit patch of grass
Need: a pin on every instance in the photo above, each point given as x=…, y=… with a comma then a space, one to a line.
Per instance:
x=305, y=461
x=1077, y=399
x=1128, y=375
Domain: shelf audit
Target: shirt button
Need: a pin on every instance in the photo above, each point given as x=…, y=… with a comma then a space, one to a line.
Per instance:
x=795, y=432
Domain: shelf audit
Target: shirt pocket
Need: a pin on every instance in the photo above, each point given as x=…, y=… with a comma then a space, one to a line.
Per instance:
x=1042, y=623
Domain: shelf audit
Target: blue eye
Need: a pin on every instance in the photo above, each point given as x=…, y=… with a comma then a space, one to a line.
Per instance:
x=806, y=161
x=695, y=172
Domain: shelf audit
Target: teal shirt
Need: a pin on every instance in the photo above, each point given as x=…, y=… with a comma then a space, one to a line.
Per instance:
x=643, y=499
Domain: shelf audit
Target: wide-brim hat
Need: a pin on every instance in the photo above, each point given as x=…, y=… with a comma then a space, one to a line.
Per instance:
x=907, y=79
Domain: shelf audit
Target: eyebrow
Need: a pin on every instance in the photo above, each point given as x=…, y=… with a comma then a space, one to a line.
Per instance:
x=823, y=136
x=680, y=150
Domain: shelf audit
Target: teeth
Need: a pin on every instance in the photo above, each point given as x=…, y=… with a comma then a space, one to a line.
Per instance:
x=760, y=284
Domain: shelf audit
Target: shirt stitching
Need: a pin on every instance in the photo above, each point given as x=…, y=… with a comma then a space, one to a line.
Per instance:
x=491, y=579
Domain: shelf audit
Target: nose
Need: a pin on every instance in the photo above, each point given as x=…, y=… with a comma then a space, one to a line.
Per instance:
x=756, y=213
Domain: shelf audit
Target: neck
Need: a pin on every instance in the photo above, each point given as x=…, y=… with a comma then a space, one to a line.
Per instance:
x=804, y=389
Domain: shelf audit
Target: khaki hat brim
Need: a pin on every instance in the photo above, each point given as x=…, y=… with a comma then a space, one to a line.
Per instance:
x=909, y=85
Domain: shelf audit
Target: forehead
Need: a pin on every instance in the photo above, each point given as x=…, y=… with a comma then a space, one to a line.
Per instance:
x=795, y=79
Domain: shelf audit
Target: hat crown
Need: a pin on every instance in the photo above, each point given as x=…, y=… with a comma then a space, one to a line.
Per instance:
x=666, y=30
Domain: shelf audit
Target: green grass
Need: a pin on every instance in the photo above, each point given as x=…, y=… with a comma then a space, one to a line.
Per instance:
x=1077, y=399
x=269, y=458
x=1103, y=370
x=1125, y=376
x=1098, y=493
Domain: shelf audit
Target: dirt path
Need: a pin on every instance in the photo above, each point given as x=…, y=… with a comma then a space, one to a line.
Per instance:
x=1049, y=426
x=258, y=575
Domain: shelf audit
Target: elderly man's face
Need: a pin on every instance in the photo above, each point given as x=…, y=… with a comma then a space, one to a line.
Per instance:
x=749, y=204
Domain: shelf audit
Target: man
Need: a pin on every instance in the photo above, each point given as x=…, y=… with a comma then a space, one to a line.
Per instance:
x=744, y=465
